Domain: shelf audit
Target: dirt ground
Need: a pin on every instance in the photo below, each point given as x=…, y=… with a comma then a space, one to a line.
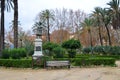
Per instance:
x=98, y=73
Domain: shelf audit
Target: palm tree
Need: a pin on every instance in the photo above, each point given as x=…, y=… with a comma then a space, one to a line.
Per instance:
x=15, y=23
x=114, y=11
x=97, y=17
x=36, y=26
x=47, y=15
x=2, y=30
x=106, y=19
x=2, y=25
x=88, y=23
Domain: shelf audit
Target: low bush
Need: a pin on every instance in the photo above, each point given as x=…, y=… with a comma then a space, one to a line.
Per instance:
x=5, y=54
x=104, y=50
x=21, y=63
x=71, y=53
x=59, y=52
x=117, y=57
x=94, y=61
x=14, y=53
x=86, y=50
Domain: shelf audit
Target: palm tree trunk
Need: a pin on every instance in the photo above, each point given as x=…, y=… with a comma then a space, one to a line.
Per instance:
x=108, y=33
x=90, y=34
x=15, y=23
x=117, y=34
x=2, y=26
x=100, y=37
x=48, y=29
x=91, y=44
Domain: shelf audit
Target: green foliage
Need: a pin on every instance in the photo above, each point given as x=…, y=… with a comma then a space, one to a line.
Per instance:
x=72, y=53
x=83, y=56
x=5, y=54
x=14, y=53
x=71, y=44
x=86, y=50
x=24, y=63
x=115, y=50
x=48, y=48
x=104, y=50
x=59, y=52
x=17, y=53
x=94, y=61
x=29, y=48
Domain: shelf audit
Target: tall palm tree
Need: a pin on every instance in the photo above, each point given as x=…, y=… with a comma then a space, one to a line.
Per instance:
x=47, y=15
x=88, y=23
x=114, y=10
x=36, y=26
x=2, y=25
x=4, y=4
x=106, y=19
x=15, y=23
x=97, y=17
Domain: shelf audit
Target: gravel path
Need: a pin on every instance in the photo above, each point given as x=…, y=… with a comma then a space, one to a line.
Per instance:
x=99, y=73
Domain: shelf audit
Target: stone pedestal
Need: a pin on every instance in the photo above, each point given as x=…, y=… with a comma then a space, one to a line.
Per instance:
x=37, y=48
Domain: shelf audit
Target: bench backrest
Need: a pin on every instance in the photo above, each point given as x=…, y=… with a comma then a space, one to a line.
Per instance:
x=57, y=63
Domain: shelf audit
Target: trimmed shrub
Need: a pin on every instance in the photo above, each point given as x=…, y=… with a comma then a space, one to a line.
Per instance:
x=48, y=48
x=5, y=54
x=94, y=61
x=23, y=63
x=115, y=50
x=59, y=52
x=98, y=49
x=72, y=53
x=71, y=46
x=14, y=54
x=86, y=50
x=104, y=50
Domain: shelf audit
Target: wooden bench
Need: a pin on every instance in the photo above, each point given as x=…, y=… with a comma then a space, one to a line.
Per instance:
x=57, y=64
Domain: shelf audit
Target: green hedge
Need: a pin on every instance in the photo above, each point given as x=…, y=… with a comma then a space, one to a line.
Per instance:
x=14, y=53
x=94, y=61
x=19, y=63
x=105, y=50
x=117, y=57
x=27, y=63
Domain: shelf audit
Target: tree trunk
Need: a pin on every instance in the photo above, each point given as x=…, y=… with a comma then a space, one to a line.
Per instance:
x=108, y=33
x=118, y=36
x=48, y=30
x=15, y=23
x=100, y=37
x=2, y=26
x=90, y=34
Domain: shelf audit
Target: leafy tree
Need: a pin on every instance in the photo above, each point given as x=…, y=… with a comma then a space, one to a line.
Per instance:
x=48, y=48
x=71, y=45
x=59, y=52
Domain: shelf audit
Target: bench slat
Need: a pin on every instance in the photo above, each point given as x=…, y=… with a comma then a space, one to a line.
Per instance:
x=57, y=63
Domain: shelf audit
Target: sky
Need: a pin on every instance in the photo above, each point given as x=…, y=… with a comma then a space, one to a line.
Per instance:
x=28, y=9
